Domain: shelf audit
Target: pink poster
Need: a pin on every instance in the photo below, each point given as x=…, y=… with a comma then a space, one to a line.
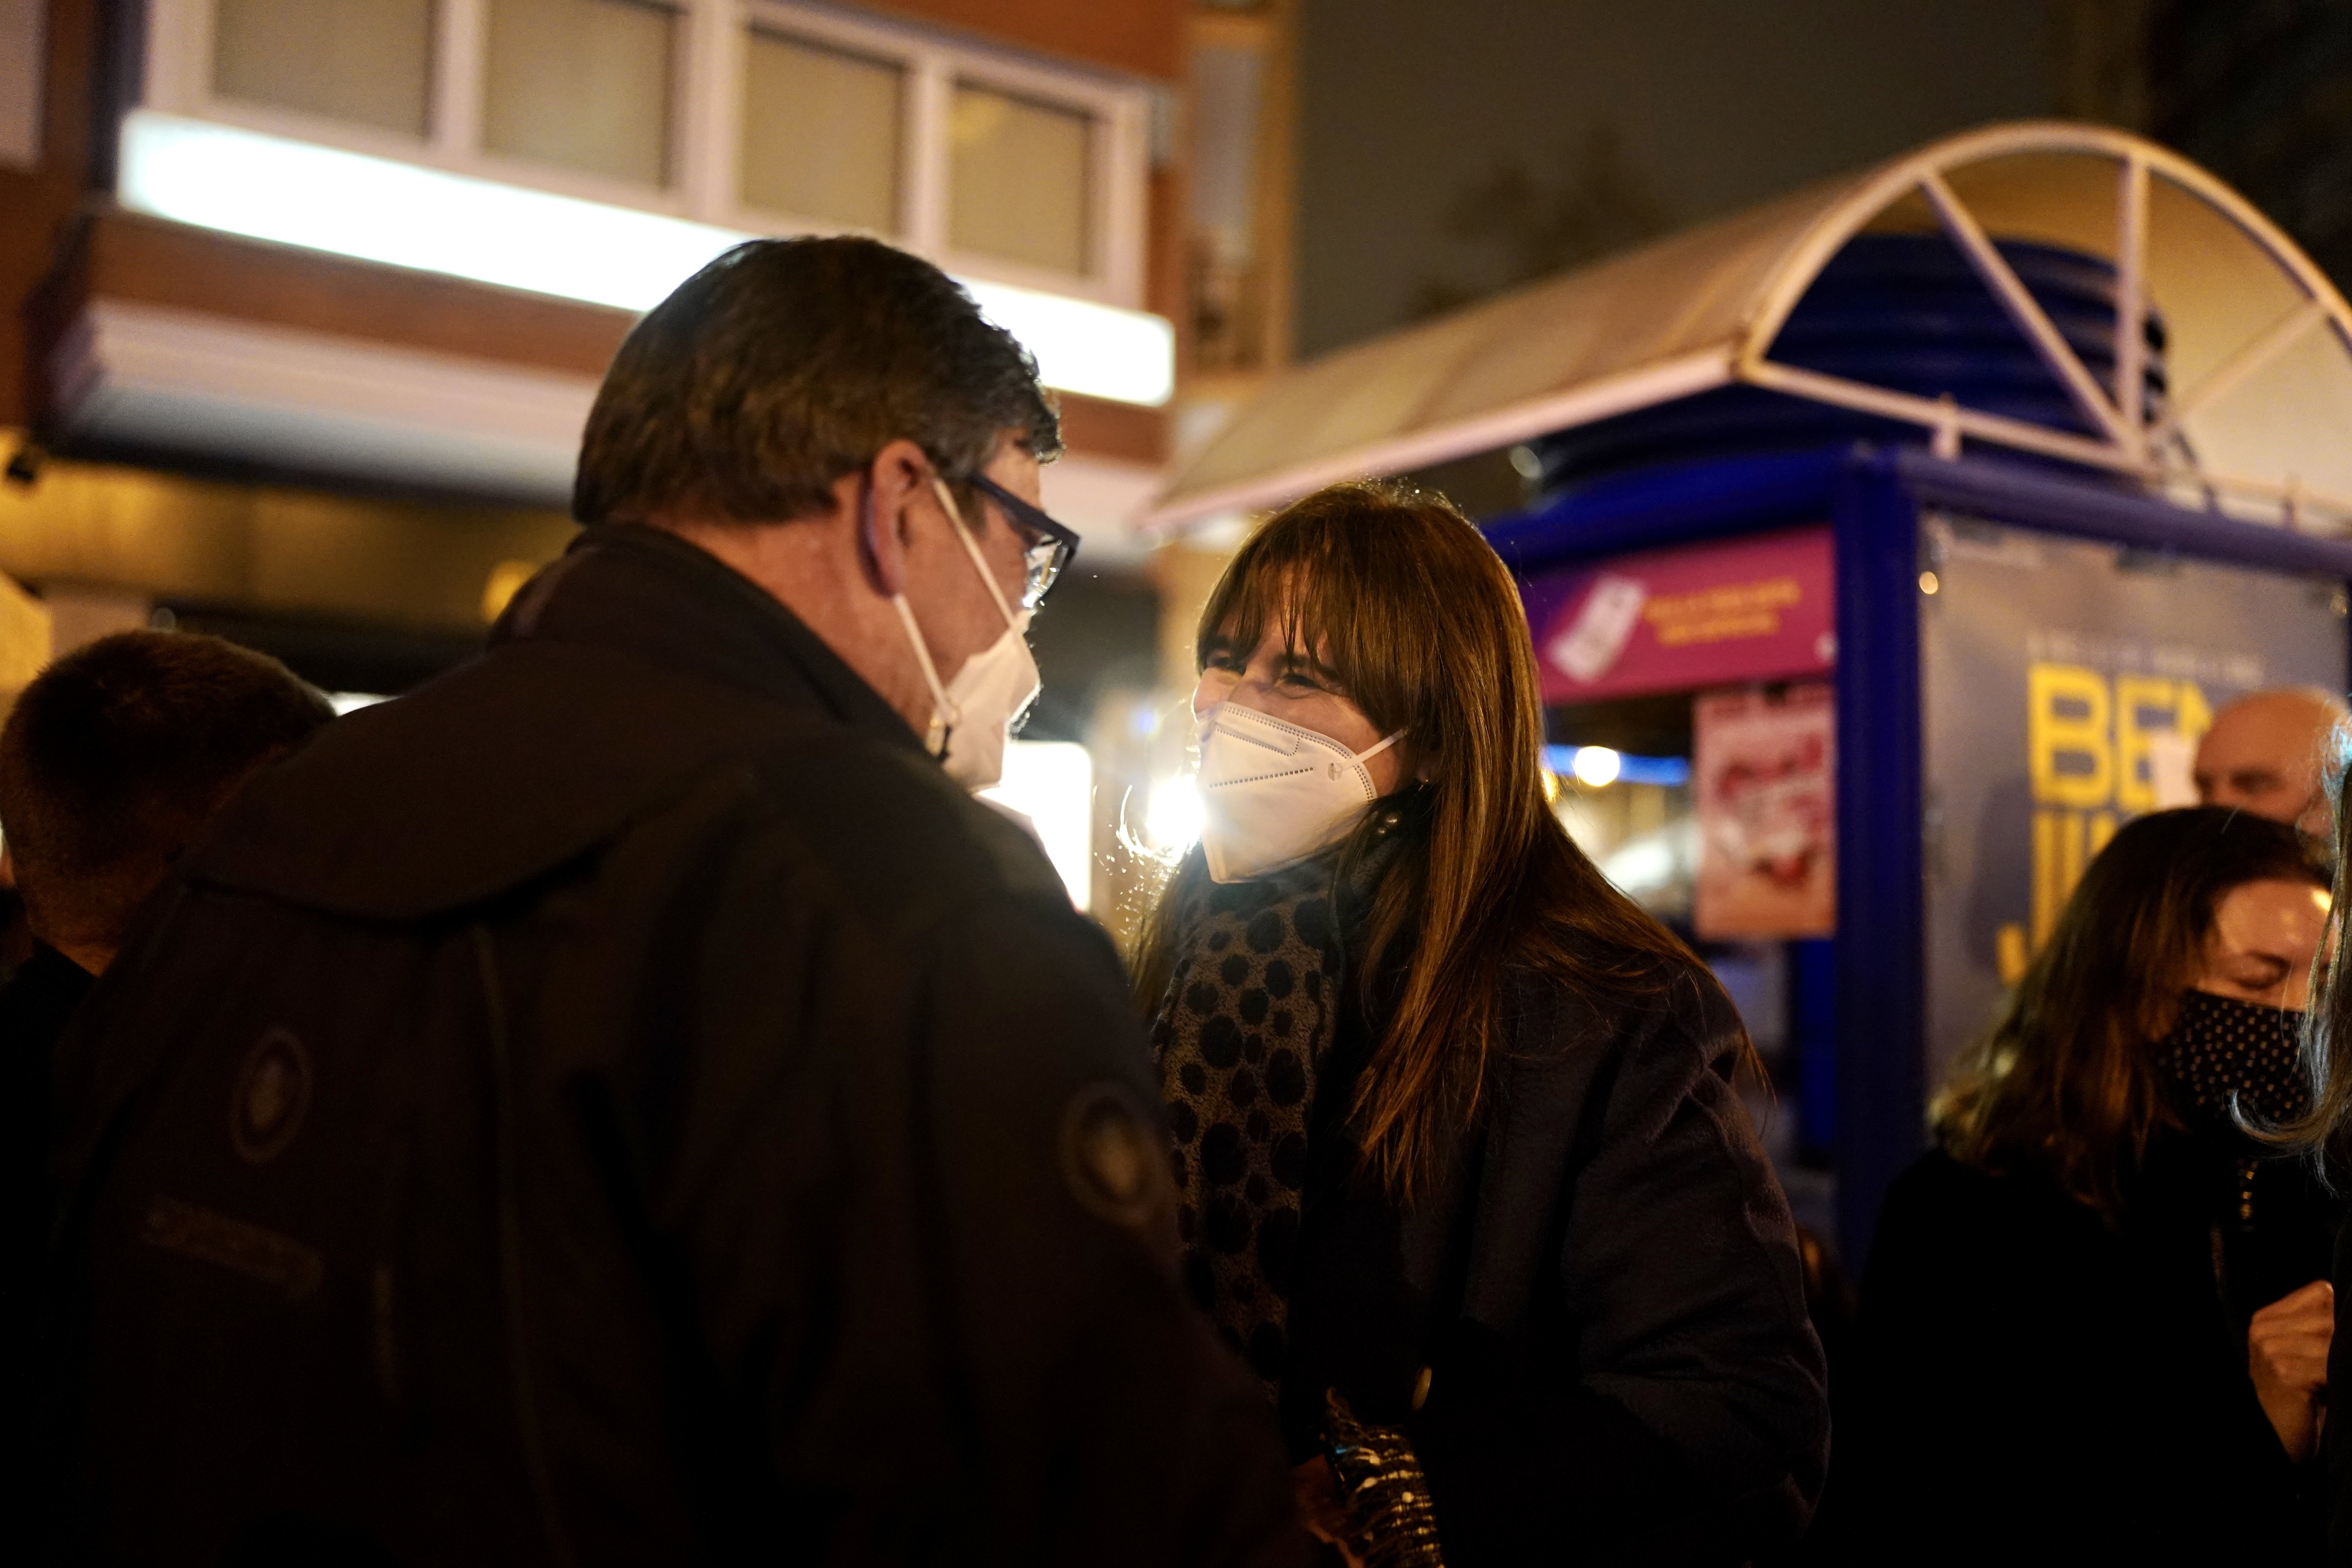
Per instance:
x=1764, y=782
x=1755, y=609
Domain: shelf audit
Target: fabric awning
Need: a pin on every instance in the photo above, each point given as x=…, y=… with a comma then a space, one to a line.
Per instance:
x=2259, y=343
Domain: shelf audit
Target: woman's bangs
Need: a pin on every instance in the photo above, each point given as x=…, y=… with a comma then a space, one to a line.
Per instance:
x=1276, y=586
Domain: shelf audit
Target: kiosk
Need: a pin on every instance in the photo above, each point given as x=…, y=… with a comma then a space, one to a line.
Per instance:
x=1949, y=501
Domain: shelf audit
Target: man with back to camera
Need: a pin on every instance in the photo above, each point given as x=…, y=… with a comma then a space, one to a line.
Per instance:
x=111, y=762
x=2266, y=753
x=626, y=1101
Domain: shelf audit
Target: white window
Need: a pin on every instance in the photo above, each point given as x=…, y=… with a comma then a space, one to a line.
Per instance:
x=364, y=62
x=760, y=116
x=822, y=133
x=581, y=84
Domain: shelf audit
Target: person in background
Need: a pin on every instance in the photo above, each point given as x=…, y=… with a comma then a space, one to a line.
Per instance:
x=1464, y=1175
x=112, y=763
x=626, y=1101
x=2094, y=1322
x=2263, y=754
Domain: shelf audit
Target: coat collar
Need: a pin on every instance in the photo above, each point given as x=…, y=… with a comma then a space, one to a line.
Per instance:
x=622, y=672
x=645, y=591
x=650, y=593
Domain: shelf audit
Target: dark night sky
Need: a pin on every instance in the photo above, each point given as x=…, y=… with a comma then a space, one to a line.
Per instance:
x=1719, y=104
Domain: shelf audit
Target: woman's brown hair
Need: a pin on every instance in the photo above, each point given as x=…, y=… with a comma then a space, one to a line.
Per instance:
x=2064, y=1086
x=1397, y=595
x=2326, y=1132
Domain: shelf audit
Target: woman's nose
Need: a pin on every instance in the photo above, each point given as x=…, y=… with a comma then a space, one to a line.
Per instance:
x=1215, y=686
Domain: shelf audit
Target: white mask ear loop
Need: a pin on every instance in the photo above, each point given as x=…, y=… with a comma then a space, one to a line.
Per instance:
x=948, y=715
x=1368, y=752
x=971, y=548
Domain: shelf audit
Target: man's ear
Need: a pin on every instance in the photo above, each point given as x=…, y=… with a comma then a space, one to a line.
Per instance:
x=888, y=491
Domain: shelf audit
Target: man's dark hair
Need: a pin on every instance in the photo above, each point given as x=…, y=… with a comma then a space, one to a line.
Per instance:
x=116, y=754
x=786, y=363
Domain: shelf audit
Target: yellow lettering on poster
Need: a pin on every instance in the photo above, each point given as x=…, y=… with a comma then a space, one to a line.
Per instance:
x=2011, y=953
x=2135, y=697
x=2193, y=717
x=2047, y=894
x=2067, y=723
x=2088, y=753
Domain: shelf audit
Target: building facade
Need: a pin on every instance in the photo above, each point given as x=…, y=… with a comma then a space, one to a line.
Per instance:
x=310, y=296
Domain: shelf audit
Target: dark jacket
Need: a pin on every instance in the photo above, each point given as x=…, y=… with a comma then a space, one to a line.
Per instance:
x=623, y=1103
x=1606, y=1294
x=2034, y=1383
x=35, y=1006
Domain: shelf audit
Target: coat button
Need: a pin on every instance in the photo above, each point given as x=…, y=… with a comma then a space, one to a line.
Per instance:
x=1420, y=1389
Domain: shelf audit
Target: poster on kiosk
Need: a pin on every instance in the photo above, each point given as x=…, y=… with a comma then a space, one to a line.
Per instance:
x=2065, y=683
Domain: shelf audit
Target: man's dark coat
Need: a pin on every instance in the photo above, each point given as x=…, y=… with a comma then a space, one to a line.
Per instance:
x=623, y=1103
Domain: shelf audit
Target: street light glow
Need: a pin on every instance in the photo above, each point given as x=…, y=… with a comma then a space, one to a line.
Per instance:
x=1597, y=766
x=1171, y=816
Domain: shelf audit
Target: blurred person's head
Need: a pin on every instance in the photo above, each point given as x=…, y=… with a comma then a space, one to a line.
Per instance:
x=114, y=758
x=2197, y=922
x=1367, y=610
x=819, y=414
x=2265, y=752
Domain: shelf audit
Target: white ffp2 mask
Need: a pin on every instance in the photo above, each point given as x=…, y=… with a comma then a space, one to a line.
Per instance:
x=1272, y=793
x=972, y=714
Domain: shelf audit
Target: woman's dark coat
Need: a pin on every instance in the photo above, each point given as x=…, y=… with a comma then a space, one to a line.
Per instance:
x=1606, y=1292
x=2035, y=1384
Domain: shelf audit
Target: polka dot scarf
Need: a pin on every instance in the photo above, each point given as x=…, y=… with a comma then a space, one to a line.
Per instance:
x=1246, y=1018
x=2223, y=1051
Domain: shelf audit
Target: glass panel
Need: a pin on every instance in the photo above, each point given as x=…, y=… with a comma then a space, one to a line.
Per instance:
x=581, y=83
x=821, y=132
x=365, y=61
x=1021, y=182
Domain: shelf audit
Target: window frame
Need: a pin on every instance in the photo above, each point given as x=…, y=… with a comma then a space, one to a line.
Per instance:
x=704, y=135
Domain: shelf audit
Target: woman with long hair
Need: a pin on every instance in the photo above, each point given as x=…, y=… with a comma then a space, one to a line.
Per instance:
x=1462, y=1169
x=2094, y=1320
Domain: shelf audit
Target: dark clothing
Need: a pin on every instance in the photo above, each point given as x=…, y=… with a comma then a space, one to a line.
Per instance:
x=1605, y=1290
x=35, y=1006
x=2336, y=1437
x=623, y=1103
x=2033, y=1383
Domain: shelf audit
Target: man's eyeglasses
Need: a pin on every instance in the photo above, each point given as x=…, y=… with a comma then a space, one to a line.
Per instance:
x=1051, y=544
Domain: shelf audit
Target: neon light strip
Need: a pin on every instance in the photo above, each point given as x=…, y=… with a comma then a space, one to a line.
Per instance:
x=406, y=214
x=1671, y=771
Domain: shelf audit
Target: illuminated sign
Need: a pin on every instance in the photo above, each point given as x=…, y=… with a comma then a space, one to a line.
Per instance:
x=407, y=214
x=1758, y=608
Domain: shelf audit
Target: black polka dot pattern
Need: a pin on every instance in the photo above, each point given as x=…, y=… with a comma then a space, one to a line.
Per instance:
x=1237, y=1042
x=2224, y=1053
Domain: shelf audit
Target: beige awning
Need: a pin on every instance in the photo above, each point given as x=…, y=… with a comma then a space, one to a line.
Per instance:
x=2259, y=351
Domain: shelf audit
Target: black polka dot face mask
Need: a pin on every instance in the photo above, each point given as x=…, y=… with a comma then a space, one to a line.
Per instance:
x=2228, y=1059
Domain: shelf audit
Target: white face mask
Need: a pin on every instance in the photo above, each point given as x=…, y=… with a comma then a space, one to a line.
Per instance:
x=972, y=713
x=1272, y=793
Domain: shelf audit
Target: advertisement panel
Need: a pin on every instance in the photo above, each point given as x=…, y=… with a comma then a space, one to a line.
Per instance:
x=1763, y=772
x=2065, y=686
x=1763, y=607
